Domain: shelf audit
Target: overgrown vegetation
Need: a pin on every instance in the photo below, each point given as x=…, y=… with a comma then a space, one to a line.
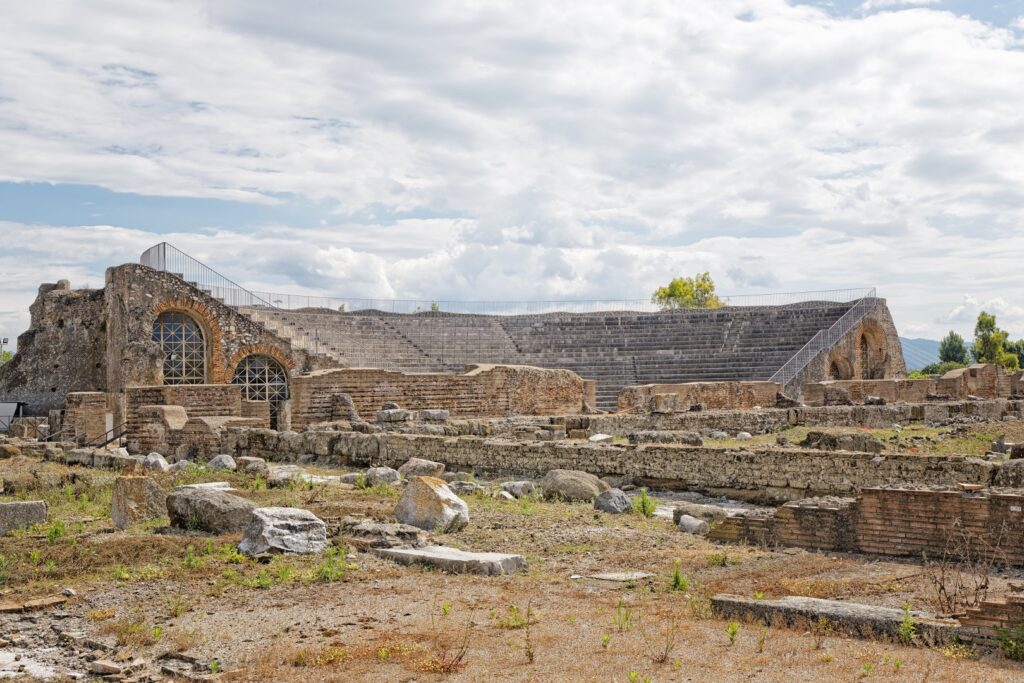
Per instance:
x=687, y=292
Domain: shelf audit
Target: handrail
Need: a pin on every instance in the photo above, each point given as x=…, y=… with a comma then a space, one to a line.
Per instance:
x=822, y=340
x=117, y=432
x=168, y=258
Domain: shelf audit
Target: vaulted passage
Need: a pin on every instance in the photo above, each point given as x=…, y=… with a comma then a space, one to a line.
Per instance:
x=184, y=347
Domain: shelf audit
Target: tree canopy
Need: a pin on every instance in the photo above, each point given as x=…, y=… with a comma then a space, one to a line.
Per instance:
x=5, y=357
x=990, y=344
x=952, y=349
x=687, y=292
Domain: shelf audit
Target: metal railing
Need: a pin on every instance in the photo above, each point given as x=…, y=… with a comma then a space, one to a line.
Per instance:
x=823, y=340
x=167, y=258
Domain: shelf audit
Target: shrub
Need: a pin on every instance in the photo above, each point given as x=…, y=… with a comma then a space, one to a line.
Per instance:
x=907, y=629
x=679, y=582
x=1011, y=642
x=56, y=531
x=334, y=566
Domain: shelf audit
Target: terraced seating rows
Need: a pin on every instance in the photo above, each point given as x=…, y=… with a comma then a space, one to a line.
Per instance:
x=616, y=349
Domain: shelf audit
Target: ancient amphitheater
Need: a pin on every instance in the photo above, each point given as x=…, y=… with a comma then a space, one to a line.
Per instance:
x=277, y=467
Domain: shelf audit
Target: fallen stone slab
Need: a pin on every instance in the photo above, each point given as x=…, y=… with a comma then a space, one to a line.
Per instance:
x=572, y=486
x=601, y=438
x=456, y=561
x=31, y=605
x=692, y=525
x=381, y=475
x=136, y=499
x=613, y=501
x=21, y=515
x=518, y=488
x=199, y=509
x=284, y=530
x=210, y=486
x=847, y=618
x=363, y=534
x=699, y=510
x=620, y=577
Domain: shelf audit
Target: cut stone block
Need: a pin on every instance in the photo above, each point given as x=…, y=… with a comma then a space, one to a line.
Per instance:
x=456, y=561
x=284, y=530
x=21, y=514
x=136, y=499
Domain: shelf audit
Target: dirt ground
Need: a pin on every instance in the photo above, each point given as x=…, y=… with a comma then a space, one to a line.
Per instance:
x=147, y=595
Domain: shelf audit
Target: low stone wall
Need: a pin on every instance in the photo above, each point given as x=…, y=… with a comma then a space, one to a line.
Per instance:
x=198, y=400
x=775, y=419
x=497, y=390
x=712, y=395
x=907, y=522
x=986, y=381
x=770, y=475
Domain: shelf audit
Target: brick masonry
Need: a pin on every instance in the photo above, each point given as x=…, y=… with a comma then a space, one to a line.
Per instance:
x=984, y=381
x=482, y=391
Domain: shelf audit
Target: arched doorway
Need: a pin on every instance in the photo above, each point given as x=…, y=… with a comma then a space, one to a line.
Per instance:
x=262, y=379
x=183, y=345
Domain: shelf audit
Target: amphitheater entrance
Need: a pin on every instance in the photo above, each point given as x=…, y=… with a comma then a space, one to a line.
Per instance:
x=183, y=345
x=263, y=379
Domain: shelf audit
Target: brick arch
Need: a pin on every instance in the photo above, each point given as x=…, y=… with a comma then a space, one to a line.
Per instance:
x=871, y=350
x=202, y=314
x=268, y=350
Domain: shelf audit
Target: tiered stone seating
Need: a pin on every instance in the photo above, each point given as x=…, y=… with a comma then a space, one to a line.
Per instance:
x=616, y=349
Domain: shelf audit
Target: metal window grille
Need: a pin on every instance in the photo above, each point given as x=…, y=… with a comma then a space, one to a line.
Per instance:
x=262, y=379
x=184, y=348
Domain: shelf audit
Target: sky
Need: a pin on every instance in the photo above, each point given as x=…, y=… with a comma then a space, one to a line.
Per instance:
x=521, y=150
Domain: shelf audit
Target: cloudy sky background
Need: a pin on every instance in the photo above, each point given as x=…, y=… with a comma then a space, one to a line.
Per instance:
x=522, y=150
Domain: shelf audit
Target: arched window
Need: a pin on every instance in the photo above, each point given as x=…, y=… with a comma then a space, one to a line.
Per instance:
x=262, y=379
x=184, y=348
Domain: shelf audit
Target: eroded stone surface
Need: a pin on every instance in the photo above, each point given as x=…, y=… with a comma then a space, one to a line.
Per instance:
x=137, y=499
x=210, y=510
x=427, y=503
x=284, y=530
x=572, y=485
x=456, y=561
x=21, y=514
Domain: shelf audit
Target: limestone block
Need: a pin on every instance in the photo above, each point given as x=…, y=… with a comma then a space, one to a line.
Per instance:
x=456, y=561
x=253, y=466
x=137, y=499
x=692, y=525
x=210, y=510
x=518, y=488
x=428, y=503
x=155, y=463
x=418, y=467
x=8, y=450
x=21, y=514
x=221, y=462
x=367, y=533
x=284, y=530
x=382, y=475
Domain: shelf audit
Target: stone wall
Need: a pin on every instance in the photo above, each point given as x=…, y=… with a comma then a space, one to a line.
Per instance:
x=774, y=419
x=754, y=474
x=63, y=351
x=85, y=417
x=711, y=395
x=986, y=381
x=197, y=400
x=907, y=521
x=482, y=391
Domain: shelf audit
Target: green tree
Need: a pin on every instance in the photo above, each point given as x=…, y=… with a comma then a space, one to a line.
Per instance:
x=952, y=349
x=687, y=292
x=990, y=344
x=5, y=357
x=1017, y=349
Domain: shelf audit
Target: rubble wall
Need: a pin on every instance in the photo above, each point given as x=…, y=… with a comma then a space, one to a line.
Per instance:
x=710, y=395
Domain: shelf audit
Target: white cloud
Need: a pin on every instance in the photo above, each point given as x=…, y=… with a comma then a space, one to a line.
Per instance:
x=885, y=4
x=575, y=149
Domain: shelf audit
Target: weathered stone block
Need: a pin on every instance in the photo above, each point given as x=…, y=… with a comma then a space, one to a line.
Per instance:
x=137, y=499
x=21, y=515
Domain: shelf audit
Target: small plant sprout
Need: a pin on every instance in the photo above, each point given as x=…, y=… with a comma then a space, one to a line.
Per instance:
x=680, y=583
x=732, y=630
x=762, y=636
x=644, y=504
x=907, y=629
x=606, y=640
x=758, y=595
x=622, y=617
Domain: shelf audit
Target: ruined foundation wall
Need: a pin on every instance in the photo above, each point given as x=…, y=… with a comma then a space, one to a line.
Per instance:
x=484, y=391
x=757, y=474
x=62, y=351
x=85, y=418
x=984, y=380
x=198, y=400
x=711, y=395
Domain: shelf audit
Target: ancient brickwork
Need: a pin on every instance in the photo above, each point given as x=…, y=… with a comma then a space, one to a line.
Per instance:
x=710, y=395
x=198, y=400
x=63, y=350
x=986, y=381
x=483, y=391
x=85, y=419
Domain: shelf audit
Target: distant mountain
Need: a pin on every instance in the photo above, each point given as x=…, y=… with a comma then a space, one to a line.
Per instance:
x=919, y=352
